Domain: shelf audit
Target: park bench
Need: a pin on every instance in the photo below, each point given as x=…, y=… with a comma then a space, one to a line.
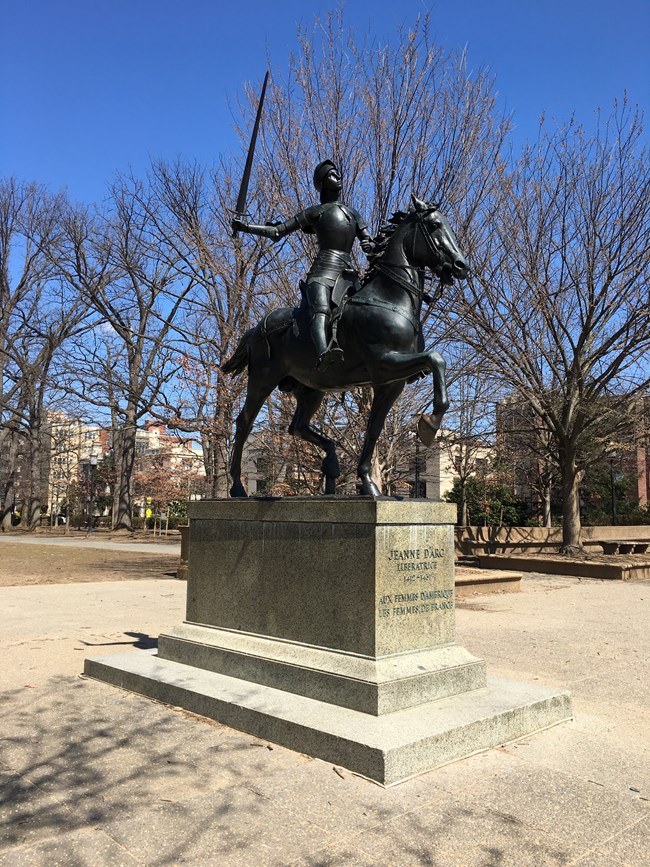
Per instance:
x=627, y=546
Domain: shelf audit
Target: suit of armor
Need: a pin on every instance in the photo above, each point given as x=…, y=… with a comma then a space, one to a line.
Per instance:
x=336, y=226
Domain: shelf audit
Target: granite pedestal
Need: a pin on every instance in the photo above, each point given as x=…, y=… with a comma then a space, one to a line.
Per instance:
x=327, y=625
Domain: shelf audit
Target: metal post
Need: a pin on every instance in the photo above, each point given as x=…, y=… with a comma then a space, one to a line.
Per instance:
x=613, y=489
x=92, y=463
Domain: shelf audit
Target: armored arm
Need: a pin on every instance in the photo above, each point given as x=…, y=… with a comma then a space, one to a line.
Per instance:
x=274, y=231
x=365, y=238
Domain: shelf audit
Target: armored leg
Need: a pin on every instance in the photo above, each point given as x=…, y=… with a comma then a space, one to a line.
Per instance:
x=328, y=352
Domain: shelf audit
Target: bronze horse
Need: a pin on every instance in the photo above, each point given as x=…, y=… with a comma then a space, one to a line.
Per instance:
x=381, y=337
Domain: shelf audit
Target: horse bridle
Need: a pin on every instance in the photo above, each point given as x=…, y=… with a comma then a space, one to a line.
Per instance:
x=413, y=287
x=430, y=245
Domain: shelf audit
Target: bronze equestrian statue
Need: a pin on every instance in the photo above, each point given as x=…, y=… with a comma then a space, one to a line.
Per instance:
x=378, y=332
x=331, y=275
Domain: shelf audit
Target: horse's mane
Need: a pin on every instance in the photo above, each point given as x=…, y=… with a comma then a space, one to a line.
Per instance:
x=381, y=242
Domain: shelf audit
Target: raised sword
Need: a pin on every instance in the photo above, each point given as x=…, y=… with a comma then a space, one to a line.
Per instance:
x=240, y=207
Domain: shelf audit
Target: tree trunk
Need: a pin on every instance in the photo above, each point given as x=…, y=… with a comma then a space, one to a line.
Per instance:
x=35, y=511
x=221, y=479
x=462, y=511
x=571, y=478
x=116, y=436
x=38, y=456
x=215, y=459
x=30, y=514
x=122, y=503
x=209, y=446
x=9, y=492
x=8, y=502
x=546, y=496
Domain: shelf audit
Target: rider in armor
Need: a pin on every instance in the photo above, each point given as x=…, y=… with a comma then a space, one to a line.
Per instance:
x=336, y=226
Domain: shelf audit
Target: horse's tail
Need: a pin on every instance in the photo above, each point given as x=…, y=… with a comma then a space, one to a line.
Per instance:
x=238, y=361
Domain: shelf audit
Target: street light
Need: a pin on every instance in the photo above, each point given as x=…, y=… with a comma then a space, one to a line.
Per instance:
x=612, y=481
x=92, y=463
x=614, y=477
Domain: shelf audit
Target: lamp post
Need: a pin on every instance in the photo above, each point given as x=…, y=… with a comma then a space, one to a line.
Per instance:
x=92, y=464
x=612, y=479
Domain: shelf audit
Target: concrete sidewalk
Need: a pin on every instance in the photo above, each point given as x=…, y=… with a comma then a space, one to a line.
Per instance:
x=95, y=541
x=93, y=775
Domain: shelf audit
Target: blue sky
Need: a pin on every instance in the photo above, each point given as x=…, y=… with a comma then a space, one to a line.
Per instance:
x=90, y=88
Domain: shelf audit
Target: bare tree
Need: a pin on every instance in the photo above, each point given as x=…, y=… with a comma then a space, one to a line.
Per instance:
x=528, y=448
x=22, y=267
x=468, y=436
x=39, y=313
x=119, y=263
x=49, y=326
x=558, y=305
x=230, y=282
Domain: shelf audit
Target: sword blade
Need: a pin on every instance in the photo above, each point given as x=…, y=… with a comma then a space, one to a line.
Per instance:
x=240, y=208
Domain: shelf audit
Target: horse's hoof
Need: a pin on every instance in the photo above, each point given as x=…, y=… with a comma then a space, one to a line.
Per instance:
x=369, y=489
x=428, y=427
x=238, y=491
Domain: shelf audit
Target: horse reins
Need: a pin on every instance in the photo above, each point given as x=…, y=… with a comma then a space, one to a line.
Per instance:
x=413, y=287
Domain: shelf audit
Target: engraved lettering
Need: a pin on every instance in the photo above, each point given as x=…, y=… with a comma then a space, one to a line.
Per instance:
x=444, y=601
x=406, y=597
x=404, y=554
x=416, y=567
x=436, y=594
x=433, y=553
x=405, y=609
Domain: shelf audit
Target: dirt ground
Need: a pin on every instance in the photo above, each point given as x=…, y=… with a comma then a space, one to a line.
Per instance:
x=50, y=564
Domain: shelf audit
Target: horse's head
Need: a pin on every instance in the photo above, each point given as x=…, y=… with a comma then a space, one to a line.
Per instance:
x=434, y=244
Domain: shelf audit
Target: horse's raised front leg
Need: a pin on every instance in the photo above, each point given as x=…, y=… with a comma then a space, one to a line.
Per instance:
x=383, y=399
x=255, y=397
x=307, y=402
x=402, y=364
x=429, y=425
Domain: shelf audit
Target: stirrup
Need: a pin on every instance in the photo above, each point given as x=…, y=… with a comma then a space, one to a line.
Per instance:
x=332, y=355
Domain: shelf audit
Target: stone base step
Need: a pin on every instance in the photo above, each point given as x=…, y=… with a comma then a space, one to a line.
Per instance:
x=468, y=561
x=471, y=581
x=388, y=749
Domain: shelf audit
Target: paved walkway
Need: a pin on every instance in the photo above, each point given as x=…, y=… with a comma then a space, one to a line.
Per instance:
x=95, y=540
x=93, y=775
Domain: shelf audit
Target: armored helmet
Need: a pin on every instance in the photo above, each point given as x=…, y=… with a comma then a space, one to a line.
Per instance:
x=321, y=171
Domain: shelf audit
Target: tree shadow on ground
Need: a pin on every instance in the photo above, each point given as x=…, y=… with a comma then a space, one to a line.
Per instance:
x=169, y=786
x=139, y=568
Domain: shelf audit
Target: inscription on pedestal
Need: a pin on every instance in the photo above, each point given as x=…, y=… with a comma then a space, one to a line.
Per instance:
x=415, y=603
x=415, y=591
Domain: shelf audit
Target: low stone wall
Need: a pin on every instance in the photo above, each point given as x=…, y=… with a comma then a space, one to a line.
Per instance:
x=617, y=569
x=474, y=541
